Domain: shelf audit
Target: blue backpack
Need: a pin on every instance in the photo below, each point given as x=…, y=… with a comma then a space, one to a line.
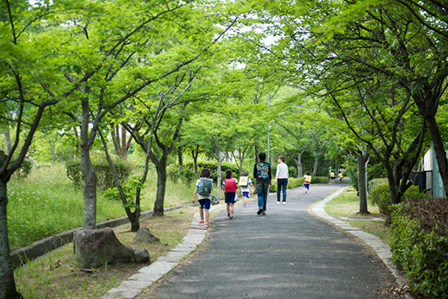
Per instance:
x=205, y=186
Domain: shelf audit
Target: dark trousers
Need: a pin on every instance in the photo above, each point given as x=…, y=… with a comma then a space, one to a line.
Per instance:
x=281, y=183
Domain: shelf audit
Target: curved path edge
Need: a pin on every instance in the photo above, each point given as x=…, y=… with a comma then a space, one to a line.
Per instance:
x=382, y=249
x=147, y=275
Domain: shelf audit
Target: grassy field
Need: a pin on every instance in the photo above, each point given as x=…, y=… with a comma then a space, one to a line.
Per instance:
x=47, y=203
x=347, y=205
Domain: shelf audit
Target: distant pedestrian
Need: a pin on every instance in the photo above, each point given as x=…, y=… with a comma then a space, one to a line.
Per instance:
x=230, y=187
x=244, y=184
x=341, y=176
x=307, y=182
x=281, y=178
x=262, y=173
x=332, y=176
x=204, y=187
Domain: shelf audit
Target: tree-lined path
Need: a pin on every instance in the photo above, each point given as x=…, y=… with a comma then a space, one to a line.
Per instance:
x=286, y=254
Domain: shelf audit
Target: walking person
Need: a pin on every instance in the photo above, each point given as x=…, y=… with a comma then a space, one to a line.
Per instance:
x=262, y=174
x=307, y=182
x=341, y=176
x=281, y=178
x=204, y=187
x=244, y=184
x=230, y=187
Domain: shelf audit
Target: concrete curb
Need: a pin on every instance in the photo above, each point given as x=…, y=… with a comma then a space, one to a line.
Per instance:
x=381, y=248
x=146, y=276
x=41, y=247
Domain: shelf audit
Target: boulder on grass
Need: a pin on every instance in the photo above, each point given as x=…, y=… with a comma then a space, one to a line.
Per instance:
x=144, y=235
x=94, y=248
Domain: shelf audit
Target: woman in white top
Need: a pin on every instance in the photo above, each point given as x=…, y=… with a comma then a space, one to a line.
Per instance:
x=281, y=178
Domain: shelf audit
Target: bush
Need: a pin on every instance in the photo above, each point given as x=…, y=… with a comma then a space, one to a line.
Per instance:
x=24, y=169
x=187, y=174
x=420, y=244
x=297, y=182
x=380, y=196
x=105, y=179
x=374, y=183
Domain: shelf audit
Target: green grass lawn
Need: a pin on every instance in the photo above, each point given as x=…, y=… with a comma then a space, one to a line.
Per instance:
x=347, y=205
x=47, y=203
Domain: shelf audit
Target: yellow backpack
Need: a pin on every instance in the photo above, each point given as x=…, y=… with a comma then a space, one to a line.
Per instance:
x=307, y=179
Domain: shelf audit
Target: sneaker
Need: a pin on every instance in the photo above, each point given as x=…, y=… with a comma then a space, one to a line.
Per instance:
x=284, y=202
x=231, y=215
x=278, y=202
x=263, y=213
x=228, y=215
x=201, y=222
x=206, y=224
x=260, y=211
x=245, y=205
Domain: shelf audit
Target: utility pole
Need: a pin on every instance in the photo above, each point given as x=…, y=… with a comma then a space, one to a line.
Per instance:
x=269, y=161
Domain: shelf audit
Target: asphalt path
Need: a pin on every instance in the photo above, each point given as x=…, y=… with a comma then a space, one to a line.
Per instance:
x=288, y=253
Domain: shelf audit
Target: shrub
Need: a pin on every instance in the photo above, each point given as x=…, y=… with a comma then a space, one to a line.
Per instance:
x=420, y=244
x=374, y=183
x=129, y=189
x=103, y=171
x=297, y=182
x=187, y=174
x=24, y=169
x=380, y=196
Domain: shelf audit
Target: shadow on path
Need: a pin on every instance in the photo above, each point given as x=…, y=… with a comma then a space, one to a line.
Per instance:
x=286, y=254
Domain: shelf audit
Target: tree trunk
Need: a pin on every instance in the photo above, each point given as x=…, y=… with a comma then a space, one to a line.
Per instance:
x=316, y=165
x=180, y=157
x=299, y=165
x=218, y=169
x=439, y=150
x=161, y=186
x=362, y=188
x=195, y=155
x=7, y=283
x=53, y=158
x=7, y=140
x=88, y=172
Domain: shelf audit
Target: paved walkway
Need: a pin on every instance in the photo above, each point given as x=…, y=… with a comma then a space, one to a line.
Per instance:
x=286, y=254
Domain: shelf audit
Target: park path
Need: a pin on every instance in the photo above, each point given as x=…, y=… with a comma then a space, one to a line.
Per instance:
x=286, y=254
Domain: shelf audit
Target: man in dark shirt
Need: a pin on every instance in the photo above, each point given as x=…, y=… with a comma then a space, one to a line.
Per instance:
x=262, y=174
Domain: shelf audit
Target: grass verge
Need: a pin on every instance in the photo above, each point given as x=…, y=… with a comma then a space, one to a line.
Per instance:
x=57, y=274
x=47, y=203
x=347, y=205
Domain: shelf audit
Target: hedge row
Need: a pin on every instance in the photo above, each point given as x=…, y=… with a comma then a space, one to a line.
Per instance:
x=105, y=179
x=297, y=182
x=420, y=244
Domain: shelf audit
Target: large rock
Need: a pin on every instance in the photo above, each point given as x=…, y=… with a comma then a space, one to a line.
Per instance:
x=144, y=235
x=94, y=248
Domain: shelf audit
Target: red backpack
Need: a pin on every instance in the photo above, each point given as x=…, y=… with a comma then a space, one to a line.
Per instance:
x=230, y=185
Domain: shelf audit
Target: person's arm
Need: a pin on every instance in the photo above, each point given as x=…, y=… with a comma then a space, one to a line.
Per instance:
x=269, y=174
x=195, y=192
x=276, y=173
x=194, y=195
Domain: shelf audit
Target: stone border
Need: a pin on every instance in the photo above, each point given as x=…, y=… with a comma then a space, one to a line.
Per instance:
x=41, y=247
x=382, y=249
x=146, y=276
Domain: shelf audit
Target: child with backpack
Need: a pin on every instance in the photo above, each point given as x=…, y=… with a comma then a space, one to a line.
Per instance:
x=230, y=187
x=244, y=184
x=204, y=187
x=306, y=182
